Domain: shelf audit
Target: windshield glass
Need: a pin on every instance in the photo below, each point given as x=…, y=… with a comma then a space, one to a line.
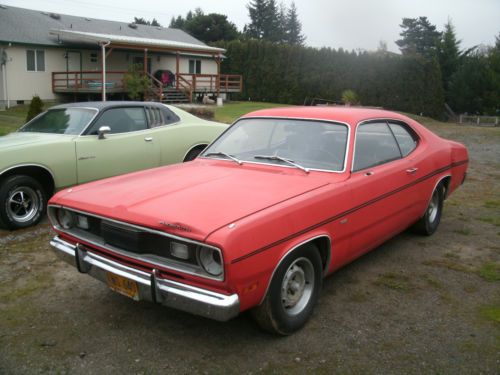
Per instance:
x=61, y=121
x=306, y=143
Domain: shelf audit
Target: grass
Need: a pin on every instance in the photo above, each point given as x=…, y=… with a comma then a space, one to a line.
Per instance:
x=231, y=111
x=12, y=118
x=394, y=281
x=490, y=271
x=491, y=312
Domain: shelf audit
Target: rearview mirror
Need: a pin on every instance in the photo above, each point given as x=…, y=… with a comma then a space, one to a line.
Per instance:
x=103, y=130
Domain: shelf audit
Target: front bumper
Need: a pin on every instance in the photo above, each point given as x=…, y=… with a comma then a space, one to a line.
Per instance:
x=150, y=287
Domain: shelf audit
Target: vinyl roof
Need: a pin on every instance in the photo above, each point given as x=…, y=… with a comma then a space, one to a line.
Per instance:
x=33, y=27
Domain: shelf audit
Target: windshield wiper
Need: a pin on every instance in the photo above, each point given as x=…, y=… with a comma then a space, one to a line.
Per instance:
x=220, y=153
x=284, y=160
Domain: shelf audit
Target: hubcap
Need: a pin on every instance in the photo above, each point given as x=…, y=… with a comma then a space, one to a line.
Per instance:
x=297, y=286
x=432, y=211
x=22, y=204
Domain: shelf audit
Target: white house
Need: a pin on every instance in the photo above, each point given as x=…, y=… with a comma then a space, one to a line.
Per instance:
x=57, y=56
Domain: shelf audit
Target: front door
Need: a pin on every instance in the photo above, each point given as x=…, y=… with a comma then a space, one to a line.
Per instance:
x=73, y=68
x=129, y=146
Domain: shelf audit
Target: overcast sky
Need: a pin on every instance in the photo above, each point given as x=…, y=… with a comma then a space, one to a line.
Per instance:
x=351, y=24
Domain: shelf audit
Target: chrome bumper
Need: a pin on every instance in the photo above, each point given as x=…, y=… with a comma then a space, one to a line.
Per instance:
x=150, y=287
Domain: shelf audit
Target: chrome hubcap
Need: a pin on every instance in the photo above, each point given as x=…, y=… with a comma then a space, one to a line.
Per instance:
x=432, y=211
x=22, y=204
x=297, y=286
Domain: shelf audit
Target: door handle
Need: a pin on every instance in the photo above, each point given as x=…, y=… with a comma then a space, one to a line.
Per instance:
x=411, y=170
x=148, y=139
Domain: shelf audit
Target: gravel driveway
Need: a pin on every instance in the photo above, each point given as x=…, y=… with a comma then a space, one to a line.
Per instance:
x=414, y=305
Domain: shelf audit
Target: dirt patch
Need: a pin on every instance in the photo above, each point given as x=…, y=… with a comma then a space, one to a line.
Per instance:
x=414, y=305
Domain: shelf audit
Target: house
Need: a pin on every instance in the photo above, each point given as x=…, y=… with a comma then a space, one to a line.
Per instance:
x=64, y=57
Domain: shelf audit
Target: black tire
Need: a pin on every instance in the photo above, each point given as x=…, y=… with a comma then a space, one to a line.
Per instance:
x=23, y=202
x=193, y=154
x=282, y=312
x=429, y=223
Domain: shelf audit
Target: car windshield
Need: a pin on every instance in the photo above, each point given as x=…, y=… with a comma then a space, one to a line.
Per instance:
x=303, y=144
x=61, y=121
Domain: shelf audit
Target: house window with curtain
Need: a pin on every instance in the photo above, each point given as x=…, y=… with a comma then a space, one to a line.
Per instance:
x=35, y=60
x=194, y=66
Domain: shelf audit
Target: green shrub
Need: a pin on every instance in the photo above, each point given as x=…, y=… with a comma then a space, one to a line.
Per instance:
x=136, y=83
x=36, y=107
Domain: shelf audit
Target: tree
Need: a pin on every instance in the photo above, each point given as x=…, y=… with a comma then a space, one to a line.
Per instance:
x=449, y=54
x=419, y=36
x=142, y=21
x=208, y=28
x=136, y=83
x=263, y=20
x=293, y=27
x=36, y=107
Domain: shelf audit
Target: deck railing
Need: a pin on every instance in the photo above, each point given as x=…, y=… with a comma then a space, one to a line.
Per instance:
x=91, y=82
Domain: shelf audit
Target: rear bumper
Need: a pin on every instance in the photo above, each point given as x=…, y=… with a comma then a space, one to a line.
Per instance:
x=150, y=287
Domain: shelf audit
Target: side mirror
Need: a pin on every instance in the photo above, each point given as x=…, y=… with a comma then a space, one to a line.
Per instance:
x=103, y=130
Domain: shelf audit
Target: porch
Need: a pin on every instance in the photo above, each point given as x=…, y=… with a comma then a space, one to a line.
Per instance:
x=184, y=87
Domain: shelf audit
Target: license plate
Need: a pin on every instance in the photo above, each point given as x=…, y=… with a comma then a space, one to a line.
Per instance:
x=123, y=285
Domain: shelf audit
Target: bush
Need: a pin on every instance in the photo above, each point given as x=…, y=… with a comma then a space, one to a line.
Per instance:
x=349, y=97
x=135, y=81
x=36, y=107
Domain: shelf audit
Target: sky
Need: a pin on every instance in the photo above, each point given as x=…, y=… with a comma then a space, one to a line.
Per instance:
x=350, y=24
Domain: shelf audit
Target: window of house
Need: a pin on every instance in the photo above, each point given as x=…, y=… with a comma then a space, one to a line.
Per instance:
x=194, y=66
x=375, y=145
x=93, y=57
x=35, y=60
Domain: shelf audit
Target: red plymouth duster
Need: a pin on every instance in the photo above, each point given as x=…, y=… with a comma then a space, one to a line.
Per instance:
x=280, y=200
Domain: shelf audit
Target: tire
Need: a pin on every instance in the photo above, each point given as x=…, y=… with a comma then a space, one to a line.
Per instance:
x=23, y=202
x=429, y=223
x=193, y=154
x=293, y=292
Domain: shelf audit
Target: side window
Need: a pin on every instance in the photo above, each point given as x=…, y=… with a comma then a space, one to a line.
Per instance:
x=121, y=120
x=407, y=140
x=169, y=116
x=375, y=145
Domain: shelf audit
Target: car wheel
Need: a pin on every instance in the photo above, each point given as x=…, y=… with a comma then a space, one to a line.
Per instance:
x=22, y=202
x=293, y=292
x=429, y=223
x=191, y=155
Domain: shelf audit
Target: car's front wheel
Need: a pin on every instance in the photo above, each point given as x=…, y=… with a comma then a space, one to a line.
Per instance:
x=22, y=202
x=293, y=292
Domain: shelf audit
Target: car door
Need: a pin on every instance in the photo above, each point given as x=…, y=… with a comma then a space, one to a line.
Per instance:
x=129, y=146
x=384, y=202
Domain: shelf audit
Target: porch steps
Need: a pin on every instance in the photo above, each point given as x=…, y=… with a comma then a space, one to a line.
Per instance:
x=173, y=95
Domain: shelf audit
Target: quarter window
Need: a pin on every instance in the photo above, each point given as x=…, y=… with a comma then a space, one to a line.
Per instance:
x=121, y=120
x=35, y=60
x=407, y=141
x=375, y=145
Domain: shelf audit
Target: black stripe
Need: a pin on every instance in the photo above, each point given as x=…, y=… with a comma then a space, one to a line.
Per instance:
x=350, y=211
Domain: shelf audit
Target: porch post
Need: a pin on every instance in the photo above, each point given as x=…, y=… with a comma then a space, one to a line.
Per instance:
x=217, y=81
x=177, y=70
x=145, y=61
x=103, y=73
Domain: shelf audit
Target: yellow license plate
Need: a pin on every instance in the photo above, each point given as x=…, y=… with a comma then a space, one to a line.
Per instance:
x=123, y=285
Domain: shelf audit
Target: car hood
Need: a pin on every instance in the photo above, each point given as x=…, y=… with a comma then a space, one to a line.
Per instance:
x=192, y=199
x=22, y=139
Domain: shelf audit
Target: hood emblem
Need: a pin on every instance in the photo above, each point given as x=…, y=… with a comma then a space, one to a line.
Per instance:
x=177, y=226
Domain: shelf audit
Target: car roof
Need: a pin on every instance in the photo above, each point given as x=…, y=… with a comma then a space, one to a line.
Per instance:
x=104, y=105
x=350, y=115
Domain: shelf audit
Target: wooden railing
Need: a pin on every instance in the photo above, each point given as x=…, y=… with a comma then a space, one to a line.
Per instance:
x=91, y=81
x=87, y=81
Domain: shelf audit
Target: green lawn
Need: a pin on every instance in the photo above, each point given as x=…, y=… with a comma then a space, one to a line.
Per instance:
x=12, y=118
x=231, y=111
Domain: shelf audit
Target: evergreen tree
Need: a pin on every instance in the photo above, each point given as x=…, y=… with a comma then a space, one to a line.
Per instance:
x=449, y=55
x=294, y=27
x=419, y=36
x=142, y=21
x=263, y=20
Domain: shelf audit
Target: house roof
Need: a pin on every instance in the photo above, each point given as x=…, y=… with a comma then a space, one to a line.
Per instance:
x=27, y=26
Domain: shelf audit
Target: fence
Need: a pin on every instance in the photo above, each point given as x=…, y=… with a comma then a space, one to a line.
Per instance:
x=479, y=120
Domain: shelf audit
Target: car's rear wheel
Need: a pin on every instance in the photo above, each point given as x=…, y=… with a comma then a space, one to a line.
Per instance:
x=429, y=223
x=293, y=292
x=22, y=202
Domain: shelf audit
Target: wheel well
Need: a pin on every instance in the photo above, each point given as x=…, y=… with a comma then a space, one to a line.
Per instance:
x=446, y=182
x=197, y=147
x=324, y=246
x=42, y=175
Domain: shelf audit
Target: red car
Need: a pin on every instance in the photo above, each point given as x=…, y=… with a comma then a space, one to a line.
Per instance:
x=281, y=199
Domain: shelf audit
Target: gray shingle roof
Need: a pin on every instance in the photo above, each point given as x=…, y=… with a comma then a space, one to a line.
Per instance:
x=26, y=26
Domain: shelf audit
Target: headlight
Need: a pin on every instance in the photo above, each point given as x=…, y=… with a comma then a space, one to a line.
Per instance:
x=210, y=260
x=66, y=218
x=179, y=250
